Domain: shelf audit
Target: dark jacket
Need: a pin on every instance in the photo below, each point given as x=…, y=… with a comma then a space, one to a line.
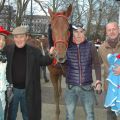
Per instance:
x=33, y=88
x=80, y=59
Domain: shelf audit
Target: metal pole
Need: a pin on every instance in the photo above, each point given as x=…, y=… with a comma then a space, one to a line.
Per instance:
x=118, y=1
x=119, y=16
x=31, y=18
x=9, y=16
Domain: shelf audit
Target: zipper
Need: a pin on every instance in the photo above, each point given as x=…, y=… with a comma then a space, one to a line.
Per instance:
x=80, y=67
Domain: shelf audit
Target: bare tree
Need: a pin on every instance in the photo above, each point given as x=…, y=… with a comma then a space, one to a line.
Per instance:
x=21, y=8
x=94, y=14
x=105, y=12
x=42, y=5
x=89, y=16
x=54, y=4
x=2, y=2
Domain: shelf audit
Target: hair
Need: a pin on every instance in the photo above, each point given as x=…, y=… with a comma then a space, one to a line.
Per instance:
x=5, y=37
x=50, y=40
x=115, y=23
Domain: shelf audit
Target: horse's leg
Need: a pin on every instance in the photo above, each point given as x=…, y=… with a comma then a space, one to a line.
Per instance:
x=59, y=85
x=54, y=80
x=44, y=74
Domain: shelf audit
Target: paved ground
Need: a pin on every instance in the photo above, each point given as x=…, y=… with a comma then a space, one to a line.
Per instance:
x=48, y=106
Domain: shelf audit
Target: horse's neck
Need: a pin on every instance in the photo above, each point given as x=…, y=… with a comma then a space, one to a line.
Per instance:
x=44, y=43
x=33, y=43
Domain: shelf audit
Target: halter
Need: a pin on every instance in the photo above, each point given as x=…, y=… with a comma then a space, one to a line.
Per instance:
x=60, y=39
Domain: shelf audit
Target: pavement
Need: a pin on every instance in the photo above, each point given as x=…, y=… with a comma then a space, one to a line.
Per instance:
x=48, y=104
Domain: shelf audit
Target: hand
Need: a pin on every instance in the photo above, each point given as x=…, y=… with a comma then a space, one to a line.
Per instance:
x=116, y=70
x=98, y=87
x=52, y=51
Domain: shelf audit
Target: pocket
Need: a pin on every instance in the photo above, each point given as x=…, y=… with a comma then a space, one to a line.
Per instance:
x=69, y=96
x=87, y=87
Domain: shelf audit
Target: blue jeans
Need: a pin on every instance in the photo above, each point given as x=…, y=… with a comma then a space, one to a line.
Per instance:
x=19, y=97
x=86, y=95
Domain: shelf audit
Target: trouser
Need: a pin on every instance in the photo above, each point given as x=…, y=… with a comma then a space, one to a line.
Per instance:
x=86, y=96
x=19, y=97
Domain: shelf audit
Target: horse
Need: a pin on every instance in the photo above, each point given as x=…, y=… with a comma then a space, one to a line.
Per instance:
x=42, y=44
x=59, y=38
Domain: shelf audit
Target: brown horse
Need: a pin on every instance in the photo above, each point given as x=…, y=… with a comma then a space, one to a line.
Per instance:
x=60, y=36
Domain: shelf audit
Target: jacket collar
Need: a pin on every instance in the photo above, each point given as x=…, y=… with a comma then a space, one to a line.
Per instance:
x=108, y=46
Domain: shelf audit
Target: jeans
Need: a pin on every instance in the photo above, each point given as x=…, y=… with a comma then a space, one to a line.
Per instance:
x=87, y=98
x=19, y=97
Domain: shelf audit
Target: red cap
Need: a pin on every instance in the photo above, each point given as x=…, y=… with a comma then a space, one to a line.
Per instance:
x=3, y=31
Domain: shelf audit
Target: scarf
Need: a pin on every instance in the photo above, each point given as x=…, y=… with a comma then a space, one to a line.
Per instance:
x=113, y=42
x=3, y=57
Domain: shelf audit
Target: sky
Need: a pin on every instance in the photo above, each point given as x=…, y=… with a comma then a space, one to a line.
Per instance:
x=36, y=8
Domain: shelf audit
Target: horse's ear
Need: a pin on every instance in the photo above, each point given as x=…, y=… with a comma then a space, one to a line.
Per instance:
x=50, y=12
x=69, y=10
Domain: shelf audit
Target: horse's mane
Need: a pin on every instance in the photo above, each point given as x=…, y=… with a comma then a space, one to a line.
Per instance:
x=50, y=40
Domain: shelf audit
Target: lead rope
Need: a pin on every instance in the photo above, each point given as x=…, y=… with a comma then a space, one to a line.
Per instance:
x=62, y=68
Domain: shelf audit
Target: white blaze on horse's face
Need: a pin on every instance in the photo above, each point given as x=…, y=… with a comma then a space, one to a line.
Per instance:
x=60, y=32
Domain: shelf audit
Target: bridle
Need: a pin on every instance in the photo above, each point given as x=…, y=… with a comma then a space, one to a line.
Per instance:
x=57, y=15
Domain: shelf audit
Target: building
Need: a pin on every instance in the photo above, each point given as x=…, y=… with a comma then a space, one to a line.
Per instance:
x=37, y=24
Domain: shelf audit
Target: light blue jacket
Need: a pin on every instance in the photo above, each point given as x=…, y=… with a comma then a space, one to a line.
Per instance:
x=113, y=93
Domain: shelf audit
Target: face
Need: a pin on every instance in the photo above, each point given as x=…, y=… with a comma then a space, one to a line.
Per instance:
x=20, y=40
x=112, y=30
x=78, y=36
x=2, y=42
x=60, y=34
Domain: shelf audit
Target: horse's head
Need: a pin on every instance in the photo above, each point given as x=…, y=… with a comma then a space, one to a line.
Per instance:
x=60, y=32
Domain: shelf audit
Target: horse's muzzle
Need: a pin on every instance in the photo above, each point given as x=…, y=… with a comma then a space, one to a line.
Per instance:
x=61, y=59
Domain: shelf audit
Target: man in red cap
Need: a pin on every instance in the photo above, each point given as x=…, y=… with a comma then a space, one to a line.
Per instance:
x=3, y=63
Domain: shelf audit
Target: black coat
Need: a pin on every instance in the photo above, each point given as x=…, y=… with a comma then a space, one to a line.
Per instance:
x=33, y=87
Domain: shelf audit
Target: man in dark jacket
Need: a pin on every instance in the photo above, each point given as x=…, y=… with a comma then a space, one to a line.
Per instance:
x=23, y=72
x=81, y=55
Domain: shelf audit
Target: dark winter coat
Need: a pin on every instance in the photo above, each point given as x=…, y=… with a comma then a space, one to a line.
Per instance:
x=33, y=88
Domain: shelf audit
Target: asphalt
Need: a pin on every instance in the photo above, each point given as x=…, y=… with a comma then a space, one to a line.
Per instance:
x=48, y=104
